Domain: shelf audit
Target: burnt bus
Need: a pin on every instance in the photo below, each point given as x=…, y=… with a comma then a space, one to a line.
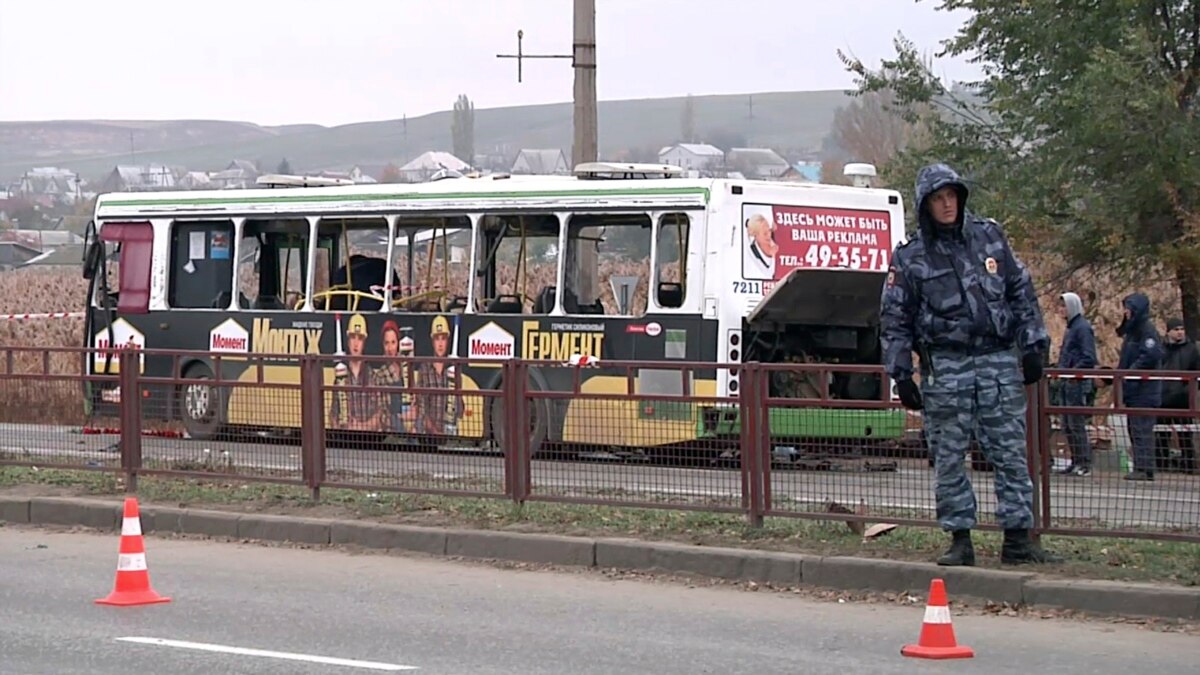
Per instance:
x=616, y=262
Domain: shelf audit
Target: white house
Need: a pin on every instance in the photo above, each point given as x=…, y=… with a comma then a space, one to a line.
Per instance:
x=757, y=162
x=51, y=186
x=692, y=156
x=130, y=178
x=429, y=163
x=541, y=163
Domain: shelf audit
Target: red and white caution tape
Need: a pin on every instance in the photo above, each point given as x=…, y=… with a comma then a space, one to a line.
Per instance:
x=1106, y=375
x=1177, y=427
x=43, y=315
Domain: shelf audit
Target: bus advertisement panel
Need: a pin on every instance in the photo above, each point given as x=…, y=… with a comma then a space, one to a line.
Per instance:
x=780, y=238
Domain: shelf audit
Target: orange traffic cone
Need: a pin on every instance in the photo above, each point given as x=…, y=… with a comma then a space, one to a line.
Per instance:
x=937, y=633
x=132, y=586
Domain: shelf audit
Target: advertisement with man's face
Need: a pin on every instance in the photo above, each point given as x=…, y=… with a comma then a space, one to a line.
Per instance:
x=759, y=248
x=777, y=239
x=356, y=410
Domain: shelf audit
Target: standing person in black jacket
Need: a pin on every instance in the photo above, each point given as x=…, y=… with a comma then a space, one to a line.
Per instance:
x=1141, y=349
x=1181, y=354
x=1078, y=351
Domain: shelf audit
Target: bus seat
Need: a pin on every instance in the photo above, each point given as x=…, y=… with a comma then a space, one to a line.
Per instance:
x=572, y=305
x=545, y=300
x=365, y=272
x=670, y=294
x=457, y=304
x=506, y=304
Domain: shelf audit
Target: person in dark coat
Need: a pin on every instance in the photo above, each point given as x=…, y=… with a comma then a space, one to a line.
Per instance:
x=1180, y=354
x=958, y=294
x=1078, y=352
x=1141, y=349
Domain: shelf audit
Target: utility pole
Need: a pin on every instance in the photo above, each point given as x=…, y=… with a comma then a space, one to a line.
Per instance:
x=584, y=48
x=583, y=59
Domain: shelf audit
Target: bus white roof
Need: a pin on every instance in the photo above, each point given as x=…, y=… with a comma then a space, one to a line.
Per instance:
x=491, y=192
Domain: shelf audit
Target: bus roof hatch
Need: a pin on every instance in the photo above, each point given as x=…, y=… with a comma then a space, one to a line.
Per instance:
x=275, y=180
x=623, y=170
x=822, y=297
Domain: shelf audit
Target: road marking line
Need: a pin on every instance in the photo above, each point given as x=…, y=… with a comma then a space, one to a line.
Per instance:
x=351, y=663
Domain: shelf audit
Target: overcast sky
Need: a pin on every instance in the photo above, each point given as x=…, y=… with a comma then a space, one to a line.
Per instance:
x=335, y=62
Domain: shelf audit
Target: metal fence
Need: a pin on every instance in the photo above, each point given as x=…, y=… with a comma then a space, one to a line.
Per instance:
x=796, y=440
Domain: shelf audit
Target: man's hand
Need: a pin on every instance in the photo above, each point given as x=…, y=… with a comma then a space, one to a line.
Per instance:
x=910, y=394
x=1031, y=365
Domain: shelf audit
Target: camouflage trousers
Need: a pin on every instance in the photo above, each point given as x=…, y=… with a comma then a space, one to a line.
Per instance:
x=981, y=397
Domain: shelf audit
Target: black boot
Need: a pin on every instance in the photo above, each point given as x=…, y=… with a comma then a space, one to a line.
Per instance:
x=961, y=551
x=1019, y=549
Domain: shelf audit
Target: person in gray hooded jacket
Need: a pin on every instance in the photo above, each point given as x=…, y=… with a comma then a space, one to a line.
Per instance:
x=1078, y=351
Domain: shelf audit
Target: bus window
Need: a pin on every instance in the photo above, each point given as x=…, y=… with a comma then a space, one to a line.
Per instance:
x=608, y=264
x=431, y=261
x=351, y=265
x=272, y=265
x=670, y=271
x=518, y=264
x=201, y=265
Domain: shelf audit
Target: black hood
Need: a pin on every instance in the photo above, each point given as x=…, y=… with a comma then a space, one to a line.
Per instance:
x=931, y=179
x=1139, y=312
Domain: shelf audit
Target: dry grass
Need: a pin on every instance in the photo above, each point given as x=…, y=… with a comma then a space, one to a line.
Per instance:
x=64, y=290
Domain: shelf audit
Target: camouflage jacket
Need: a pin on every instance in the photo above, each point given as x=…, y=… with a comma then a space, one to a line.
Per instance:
x=956, y=289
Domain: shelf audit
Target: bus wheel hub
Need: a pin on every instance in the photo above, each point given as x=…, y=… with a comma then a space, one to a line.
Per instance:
x=197, y=401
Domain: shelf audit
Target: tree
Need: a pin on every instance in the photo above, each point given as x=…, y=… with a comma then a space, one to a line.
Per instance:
x=284, y=167
x=687, y=121
x=832, y=172
x=391, y=174
x=867, y=130
x=1082, y=134
x=462, y=129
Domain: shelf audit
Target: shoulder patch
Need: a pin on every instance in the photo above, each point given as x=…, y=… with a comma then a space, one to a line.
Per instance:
x=1150, y=343
x=992, y=265
x=891, y=280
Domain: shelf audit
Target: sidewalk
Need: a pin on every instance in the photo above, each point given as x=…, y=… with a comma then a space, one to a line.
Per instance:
x=764, y=567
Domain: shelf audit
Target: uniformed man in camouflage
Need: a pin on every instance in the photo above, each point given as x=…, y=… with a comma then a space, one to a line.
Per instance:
x=957, y=294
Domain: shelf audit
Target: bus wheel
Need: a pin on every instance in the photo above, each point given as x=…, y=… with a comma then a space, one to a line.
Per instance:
x=201, y=407
x=537, y=425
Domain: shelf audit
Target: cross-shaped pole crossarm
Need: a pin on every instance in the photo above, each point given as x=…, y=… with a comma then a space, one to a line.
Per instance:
x=521, y=55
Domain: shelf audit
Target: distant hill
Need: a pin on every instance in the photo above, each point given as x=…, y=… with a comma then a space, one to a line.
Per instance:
x=791, y=122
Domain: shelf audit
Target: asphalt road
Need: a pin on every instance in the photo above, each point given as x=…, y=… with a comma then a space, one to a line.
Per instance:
x=383, y=611
x=1103, y=498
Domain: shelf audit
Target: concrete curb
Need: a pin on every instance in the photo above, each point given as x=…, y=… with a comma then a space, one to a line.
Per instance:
x=763, y=567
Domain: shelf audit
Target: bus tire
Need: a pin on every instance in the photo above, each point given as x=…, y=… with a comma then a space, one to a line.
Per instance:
x=202, y=408
x=538, y=418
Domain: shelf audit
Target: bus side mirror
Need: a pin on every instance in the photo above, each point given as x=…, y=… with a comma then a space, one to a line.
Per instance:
x=92, y=255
